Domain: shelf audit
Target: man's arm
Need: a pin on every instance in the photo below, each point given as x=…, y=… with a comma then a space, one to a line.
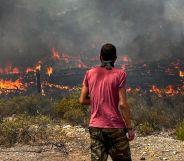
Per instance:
x=125, y=110
x=84, y=97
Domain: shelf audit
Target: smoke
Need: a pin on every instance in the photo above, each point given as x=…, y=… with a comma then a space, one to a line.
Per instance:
x=142, y=29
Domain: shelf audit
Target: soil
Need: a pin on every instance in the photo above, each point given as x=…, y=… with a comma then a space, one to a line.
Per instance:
x=75, y=147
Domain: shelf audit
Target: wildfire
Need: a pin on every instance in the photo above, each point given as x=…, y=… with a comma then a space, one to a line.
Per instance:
x=125, y=59
x=61, y=87
x=28, y=70
x=170, y=90
x=12, y=85
x=49, y=71
x=156, y=90
x=9, y=70
x=38, y=66
x=181, y=73
x=55, y=54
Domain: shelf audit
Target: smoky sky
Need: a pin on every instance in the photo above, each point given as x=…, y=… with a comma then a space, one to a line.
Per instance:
x=141, y=29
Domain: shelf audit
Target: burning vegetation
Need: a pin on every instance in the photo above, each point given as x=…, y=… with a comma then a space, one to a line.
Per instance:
x=49, y=76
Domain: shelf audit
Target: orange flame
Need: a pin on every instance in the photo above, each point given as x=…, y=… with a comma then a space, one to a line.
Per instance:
x=125, y=59
x=15, y=70
x=181, y=73
x=170, y=90
x=61, y=87
x=49, y=71
x=156, y=90
x=55, y=54
x=9, y=70
x=28, y=70
x=12, y=85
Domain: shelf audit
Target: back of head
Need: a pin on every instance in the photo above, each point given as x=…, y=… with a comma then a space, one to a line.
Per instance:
x=108, y=56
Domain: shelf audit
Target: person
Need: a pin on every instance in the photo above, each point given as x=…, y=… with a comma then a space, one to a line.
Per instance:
x=110, y=123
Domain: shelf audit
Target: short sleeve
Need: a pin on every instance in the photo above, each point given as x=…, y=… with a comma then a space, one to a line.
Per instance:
x=122, y=80
x=85, y=80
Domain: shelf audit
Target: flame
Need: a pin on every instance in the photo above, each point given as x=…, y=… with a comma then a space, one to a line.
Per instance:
x=28, y=70
x=49, y=71
x=15, y=70
x=9, y=70
x=125, y=59
x=61, y=87
x=181, y=73
x=55, y=54
x=12, y=85
x=65, y=57
x=38, y=67
x=170, y=90
x=156, y=90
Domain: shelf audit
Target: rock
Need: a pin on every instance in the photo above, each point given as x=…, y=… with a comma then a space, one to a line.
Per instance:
x=81, y=130
x=57, y=127
x=144, y=153
x=175, y=152
x=69, y=134
x=67, y=126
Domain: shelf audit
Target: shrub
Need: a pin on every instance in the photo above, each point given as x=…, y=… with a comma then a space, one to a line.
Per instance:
x=31, y=105
x=158, y=113
x=145, y=129
x=24, y=129
x=71, y=110
x=180, y=131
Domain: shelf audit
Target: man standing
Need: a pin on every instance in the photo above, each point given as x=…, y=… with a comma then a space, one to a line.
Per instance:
x=104, y=89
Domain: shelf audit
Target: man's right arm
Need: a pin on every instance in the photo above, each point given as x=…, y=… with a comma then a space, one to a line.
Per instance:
x=125, y=111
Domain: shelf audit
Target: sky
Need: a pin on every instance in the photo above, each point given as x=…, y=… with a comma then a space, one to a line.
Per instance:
x=147, y=30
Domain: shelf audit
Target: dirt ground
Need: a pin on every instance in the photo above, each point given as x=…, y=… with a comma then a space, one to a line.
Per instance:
x=157, y=147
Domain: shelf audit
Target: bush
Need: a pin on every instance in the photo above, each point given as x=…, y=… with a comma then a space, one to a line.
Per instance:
x=180, y=131
x=30, y=105
x=145, y=129
x=155, y=113
x=24, y=129
x=71, y=110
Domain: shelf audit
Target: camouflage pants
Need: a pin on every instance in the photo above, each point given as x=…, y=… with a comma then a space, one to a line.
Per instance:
x=111, y=142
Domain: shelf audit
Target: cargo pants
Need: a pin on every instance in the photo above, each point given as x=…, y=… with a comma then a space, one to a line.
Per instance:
x=109, y=141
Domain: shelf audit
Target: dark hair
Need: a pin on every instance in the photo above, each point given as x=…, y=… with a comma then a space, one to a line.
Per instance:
x=108, y=52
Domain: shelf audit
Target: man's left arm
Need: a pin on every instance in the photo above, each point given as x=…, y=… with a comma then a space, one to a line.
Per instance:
x=84, y=97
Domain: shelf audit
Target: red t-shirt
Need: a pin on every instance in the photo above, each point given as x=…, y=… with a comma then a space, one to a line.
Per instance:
x=103, y=88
